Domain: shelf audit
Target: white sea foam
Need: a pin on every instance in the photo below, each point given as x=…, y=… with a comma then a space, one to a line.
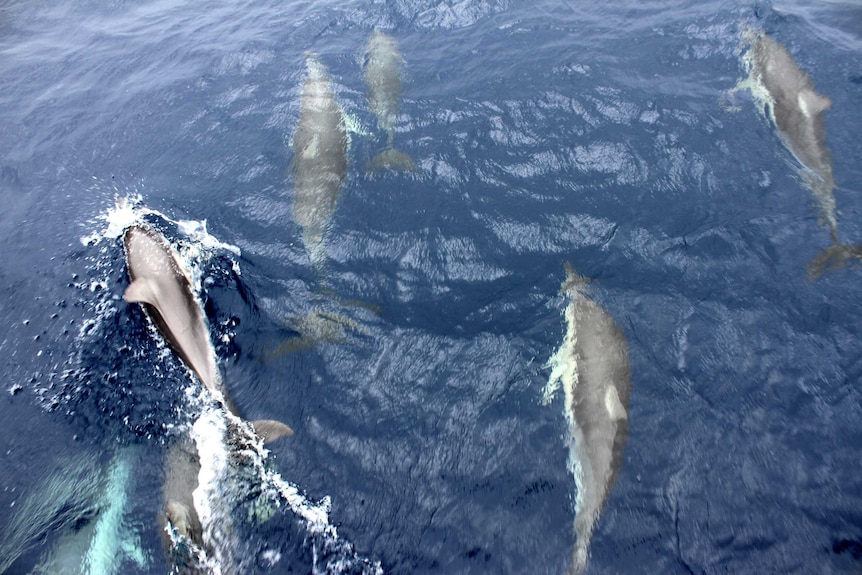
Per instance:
x=196, y=230
x=130, y=210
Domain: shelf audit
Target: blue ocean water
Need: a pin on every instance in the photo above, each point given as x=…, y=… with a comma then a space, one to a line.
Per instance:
x=411, y=364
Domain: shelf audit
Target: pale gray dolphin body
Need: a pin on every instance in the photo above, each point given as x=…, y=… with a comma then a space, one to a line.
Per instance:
x=592, y=366
x=162, y=286
x=320, y=159
x=797, y=110
x=382, y=64
x=182, y=465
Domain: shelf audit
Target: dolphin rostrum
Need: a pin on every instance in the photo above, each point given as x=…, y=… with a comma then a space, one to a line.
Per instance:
x=797, y=111
x=162, y=286
x=382, y=64
x=320, y=159
x=592, y=366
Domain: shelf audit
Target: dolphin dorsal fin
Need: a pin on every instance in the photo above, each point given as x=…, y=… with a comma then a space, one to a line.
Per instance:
x=269, y=430
x=614, y=405
x=142, y=290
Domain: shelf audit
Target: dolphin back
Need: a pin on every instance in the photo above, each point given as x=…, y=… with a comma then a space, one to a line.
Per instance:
x=161, y=284
x=598, y=413
x=382, y=63
x=797, y=110
x=593, y=368
x=320, y=146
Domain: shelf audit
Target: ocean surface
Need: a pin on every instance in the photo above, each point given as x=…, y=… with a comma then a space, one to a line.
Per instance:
x=410, y=361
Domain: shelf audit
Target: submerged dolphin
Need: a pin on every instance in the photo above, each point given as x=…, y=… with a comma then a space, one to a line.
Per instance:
x=320, y=159
x=797, y=111
x=592, y=365
x=382, y=64
x=161, y=285
x=85, y=507
x=181, y=530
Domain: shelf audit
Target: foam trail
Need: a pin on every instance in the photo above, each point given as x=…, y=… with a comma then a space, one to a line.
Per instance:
x=228, y=447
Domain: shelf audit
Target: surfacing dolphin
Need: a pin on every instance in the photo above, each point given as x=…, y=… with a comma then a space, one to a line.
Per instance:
x=160, y=283
x=320, y=159
x=162, y=286
x=797, y=111
x=382, y=64
x=593, y=367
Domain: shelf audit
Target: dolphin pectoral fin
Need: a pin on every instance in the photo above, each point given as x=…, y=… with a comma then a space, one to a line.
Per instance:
x=269, y=430
x=614, y=405
x=811, y=103
x=141, y=290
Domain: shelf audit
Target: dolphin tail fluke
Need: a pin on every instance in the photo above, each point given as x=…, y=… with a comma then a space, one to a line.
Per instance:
x=270, y=430
x=834, y=257
x=392, y=159
x=579, y=559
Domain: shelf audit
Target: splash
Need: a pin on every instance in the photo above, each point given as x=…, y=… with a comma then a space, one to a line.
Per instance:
x=199, y=245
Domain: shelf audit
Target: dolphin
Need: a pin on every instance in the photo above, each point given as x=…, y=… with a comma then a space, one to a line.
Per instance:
x=160, y=283
x=86, y=506
x=181, y=530
x=320, y=158
x=162, y=286
x=382, y=64
x=797, y=111
x=191, y=546
x=67, y=497
x=592, y=366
